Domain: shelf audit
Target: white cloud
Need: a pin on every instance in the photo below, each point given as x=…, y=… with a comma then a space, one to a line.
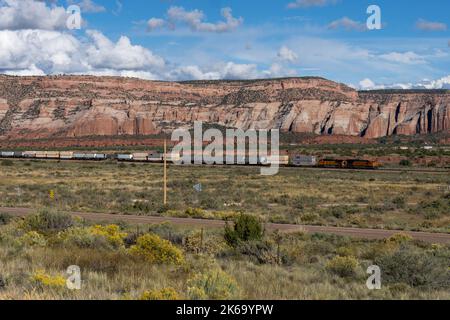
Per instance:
x=155, y=23
x=30, y=14
x=430, y=26
x=103, y=53
x=39, y=50
x=195, y=20
x=405, y=57
x=88, y=6
x=347, y=24
x=286, y=54
x=229, y=70
x=443, y=83
x=309, y=3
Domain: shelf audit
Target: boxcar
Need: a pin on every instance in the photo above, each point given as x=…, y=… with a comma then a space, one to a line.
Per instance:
x=304, y=161
x=7, y=154
x=140, y=156
x=29, y=154
x=52, y=155
x=100, y=156
x=66, y=155
x=125, y=157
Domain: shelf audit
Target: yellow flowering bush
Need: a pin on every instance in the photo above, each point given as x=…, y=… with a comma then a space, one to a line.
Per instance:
x=214, y=284
x=343, y=266
x=157, y=250
x=45, y=280
x=111, y=233
x=33, y=238
x=163, y=294
x=399, y=238
x=99, y=237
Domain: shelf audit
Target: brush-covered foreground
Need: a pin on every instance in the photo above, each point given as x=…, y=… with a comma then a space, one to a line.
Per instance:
x=161, y=262
x=366, y=199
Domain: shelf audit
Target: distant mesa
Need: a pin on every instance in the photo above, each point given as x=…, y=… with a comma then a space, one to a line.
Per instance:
x=71, y=107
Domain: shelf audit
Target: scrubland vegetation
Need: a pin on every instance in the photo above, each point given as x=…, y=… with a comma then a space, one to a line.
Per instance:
x=161, y=262
x=395, y=200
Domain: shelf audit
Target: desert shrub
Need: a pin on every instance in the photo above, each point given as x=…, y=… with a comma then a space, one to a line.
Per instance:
x=95, y=237
x=212, y=285
x=166, y=231
x=42, y=279
x=111, y=233
x=405, y=163
x=262, y=252
x=33, y=238
x=246, y=228
x=7, y=163
x=416, y=269
x=163, y=294
x=346, y=252
x=195, y=212
x=399, y=202
x=48, y=222
x=399, y=238
x=5, y=219
x=157, y=250
x=196, y=243
x=2, y=282
x=343, y=266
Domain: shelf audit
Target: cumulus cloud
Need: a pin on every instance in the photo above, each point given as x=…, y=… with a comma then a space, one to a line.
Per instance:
x=229, y=70
x=43, y=52
x=430, y=26
x=195, y=20
x=442, y=83
x=30, y=14
x=286, y=54
x=88, y=6
x=103, y=53
x=309, y=3
x=347, y=24
x=53, y=52
x=39, y=51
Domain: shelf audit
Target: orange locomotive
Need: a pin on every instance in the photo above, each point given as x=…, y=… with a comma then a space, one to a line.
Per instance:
x=348, y=164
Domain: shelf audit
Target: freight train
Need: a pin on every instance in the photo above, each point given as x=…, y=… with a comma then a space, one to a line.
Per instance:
x=155, y=157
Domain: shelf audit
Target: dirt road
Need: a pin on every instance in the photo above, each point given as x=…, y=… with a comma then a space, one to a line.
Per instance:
x=443, y=238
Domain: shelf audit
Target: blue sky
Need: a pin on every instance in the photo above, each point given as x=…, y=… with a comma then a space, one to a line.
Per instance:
x=208, y=39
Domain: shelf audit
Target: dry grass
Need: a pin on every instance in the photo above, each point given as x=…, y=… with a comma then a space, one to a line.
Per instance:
x=345, y=198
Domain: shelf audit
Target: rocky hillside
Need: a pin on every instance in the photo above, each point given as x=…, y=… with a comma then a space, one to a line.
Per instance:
x=81, y=106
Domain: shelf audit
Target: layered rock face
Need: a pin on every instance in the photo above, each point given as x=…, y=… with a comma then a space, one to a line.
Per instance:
x=81, y=106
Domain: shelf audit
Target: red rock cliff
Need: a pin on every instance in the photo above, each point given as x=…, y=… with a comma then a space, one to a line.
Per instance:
x=79, y=106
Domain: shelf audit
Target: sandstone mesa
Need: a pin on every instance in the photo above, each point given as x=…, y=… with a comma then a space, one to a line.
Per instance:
x=82, y=106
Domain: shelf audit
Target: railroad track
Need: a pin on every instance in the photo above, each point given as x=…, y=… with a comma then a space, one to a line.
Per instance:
x=370, y=234
x=383, y=170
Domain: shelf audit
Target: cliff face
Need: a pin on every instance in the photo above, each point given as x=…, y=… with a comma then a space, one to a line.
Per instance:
x=79, y=106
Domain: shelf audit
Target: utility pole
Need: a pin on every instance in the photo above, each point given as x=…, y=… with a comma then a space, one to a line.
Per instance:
x=165, y=172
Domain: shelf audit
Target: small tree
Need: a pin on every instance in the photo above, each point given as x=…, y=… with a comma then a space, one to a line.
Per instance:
x=246, y=228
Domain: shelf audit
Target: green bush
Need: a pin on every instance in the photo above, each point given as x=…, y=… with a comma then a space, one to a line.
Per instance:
x=343, y=266
x=48, y=222
x=405, y=163
x=7, y=163
x=262, y=252
x=246, y=228
x=416, y=269
x=5, y=219
x=212, y=285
